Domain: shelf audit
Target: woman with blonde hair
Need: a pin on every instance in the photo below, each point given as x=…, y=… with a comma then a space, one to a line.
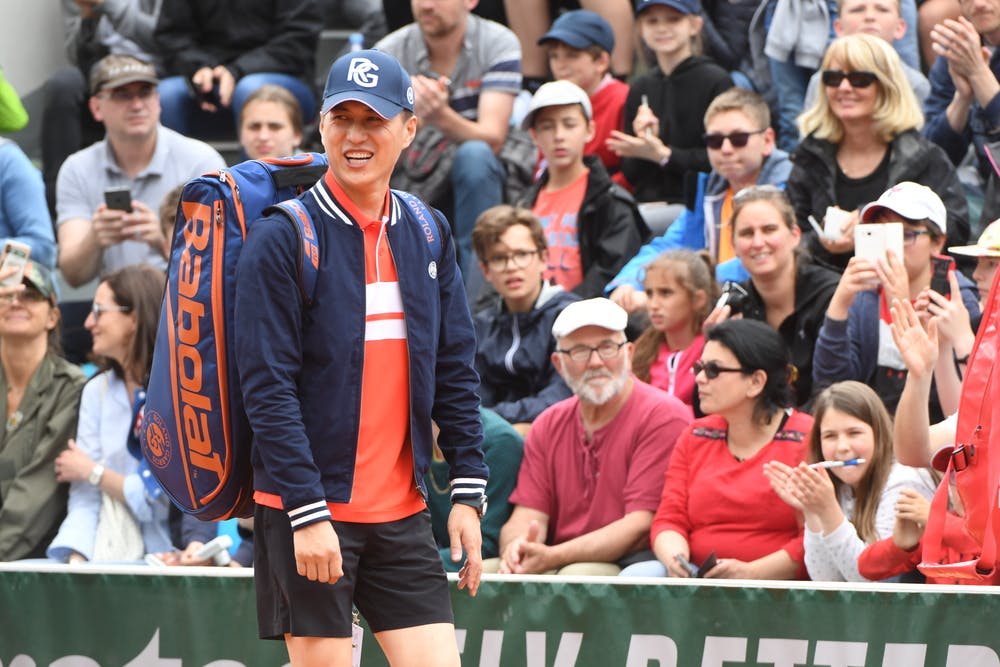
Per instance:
x=861, y=137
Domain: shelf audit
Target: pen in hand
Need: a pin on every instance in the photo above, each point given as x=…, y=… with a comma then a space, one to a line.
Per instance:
x=645, y=103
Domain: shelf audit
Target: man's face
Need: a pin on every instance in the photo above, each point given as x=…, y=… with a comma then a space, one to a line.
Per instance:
x=440, y=18
x=363, y=147
x=919, y=243
x=879, y=18
x=985, y=16
x=740, y=166
x=131, y=111
x=561, y=132
x=596, y=380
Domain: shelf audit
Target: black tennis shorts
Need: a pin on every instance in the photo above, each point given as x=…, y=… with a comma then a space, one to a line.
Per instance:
x=392, y=573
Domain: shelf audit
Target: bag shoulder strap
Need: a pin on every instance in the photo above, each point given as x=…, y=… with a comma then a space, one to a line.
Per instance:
x=298, y=215
x=423, y=214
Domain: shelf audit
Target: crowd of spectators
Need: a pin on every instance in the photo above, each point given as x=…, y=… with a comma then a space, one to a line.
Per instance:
x=656, y=209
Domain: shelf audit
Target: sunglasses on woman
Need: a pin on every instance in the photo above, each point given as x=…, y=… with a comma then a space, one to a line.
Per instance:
x=713, y=369
x=737, y=139
x=832, y=78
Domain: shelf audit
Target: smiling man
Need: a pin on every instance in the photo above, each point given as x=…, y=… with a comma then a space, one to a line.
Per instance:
x=593, y=464
x=340, y=395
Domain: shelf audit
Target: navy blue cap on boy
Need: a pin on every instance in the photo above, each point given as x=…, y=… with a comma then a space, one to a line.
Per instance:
x=371, y=77
x=683, y=6
x=580, y=29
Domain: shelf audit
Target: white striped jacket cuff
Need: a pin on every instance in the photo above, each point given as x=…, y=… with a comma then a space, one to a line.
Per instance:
x=467, y=488
x=307, y=514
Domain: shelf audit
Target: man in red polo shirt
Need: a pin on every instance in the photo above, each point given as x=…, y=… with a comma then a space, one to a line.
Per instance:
x=593, y=464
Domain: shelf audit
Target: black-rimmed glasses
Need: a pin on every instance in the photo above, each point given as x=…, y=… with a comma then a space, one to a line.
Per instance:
x=581, y=353
x=519, y=258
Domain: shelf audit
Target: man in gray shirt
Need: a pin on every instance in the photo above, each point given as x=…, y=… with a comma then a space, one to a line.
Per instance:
x=466, y=72
x=137, y=153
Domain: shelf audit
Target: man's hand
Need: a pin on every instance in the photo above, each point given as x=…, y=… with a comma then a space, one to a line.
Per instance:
x=430, y=96
x=317, y=553
x=464, y=533
x=142, y=224
x=227, y=83
x=107, y=224
x=730, y=568
x=521, y=549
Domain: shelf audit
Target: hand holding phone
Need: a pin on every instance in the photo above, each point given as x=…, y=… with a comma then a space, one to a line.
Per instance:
x=941, y=266
x=15, y=256
x=872, y=241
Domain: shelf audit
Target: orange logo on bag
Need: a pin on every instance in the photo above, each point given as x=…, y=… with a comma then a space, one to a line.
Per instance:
x=195, y=405
x=157, y=442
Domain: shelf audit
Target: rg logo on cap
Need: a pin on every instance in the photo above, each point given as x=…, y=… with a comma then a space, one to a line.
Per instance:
x=360, y=72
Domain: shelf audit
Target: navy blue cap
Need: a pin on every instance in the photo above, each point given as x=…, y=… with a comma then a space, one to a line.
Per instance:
x=683, y=6
x=371, y=77
x=580, y=29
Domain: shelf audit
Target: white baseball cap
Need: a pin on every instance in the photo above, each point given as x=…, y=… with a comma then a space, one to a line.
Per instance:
x=598, y=312
x=912, y=201
x=557, y=94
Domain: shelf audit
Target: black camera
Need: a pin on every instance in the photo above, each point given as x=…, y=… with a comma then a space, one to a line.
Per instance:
x=733, y=295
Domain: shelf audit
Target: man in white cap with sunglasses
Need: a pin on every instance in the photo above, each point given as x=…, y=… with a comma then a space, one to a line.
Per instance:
x=340, y=395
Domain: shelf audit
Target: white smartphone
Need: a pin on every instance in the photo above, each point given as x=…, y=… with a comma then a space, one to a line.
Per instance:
x=15, y=254
x=873, y=240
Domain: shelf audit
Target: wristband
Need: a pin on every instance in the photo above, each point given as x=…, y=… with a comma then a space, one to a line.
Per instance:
x=95, y=475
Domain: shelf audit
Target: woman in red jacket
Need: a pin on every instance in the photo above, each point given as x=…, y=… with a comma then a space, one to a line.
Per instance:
x=716, y=501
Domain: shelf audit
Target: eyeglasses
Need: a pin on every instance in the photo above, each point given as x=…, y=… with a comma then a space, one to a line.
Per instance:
x=125, y=94
x=712, y=369
x=737, y=139
x=581, y=353
x=832, y=78
x=29, y=295
x=98, y=309
x=910, y=236
x=519, y=258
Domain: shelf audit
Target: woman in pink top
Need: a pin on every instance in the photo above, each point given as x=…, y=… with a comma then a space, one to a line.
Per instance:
x=716, y=501
x=680, y=291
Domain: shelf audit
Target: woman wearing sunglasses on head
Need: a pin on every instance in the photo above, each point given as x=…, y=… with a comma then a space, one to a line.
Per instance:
x=113, y=515
x=40, y=392
x=862, y=137
x=785, y=289
x=716, y=499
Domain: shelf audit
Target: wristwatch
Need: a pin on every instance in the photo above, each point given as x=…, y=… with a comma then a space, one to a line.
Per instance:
x=95, y=475
x=478, y=503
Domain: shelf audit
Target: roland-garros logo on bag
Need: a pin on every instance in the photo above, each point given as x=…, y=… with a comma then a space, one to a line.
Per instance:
x=157, y=441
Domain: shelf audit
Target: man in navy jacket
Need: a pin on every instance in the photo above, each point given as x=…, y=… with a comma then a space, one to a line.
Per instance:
x=340, y=395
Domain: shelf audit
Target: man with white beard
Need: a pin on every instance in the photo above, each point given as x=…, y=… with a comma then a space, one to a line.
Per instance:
x=593, y=465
